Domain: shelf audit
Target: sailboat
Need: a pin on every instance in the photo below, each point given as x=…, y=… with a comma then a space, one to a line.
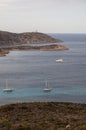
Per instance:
x=7, y=89
x=47, y=88
x=59, y=60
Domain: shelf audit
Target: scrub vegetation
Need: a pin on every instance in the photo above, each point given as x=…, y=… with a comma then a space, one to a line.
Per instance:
x=43, y=116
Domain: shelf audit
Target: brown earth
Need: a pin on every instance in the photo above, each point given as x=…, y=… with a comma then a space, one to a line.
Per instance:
x=3, y=52
x=43, y=116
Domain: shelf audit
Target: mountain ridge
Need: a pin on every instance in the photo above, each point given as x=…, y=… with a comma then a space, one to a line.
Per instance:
x=9, y=38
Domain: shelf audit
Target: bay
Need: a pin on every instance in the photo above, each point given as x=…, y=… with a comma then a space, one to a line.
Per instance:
x=27, y=71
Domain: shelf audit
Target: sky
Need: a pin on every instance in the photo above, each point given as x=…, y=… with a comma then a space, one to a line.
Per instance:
x=47, y=16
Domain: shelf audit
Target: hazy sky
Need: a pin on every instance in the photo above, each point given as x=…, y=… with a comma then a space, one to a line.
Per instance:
x=59, y=16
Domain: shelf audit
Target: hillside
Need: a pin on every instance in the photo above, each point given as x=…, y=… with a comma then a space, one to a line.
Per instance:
x=7, y=38
x=43, y=116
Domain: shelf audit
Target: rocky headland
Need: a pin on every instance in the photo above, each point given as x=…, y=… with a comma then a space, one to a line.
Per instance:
x=11, y=41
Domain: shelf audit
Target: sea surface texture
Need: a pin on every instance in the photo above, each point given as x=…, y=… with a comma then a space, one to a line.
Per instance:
x=26, y=72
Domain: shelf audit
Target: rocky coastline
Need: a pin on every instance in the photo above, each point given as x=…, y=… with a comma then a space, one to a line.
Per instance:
x=13, y=41
x=5, y=51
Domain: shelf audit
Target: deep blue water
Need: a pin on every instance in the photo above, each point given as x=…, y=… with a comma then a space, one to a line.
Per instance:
x=74, y=37
x=27, y=71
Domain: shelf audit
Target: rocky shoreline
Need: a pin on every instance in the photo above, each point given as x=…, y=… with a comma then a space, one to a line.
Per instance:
x=3, y=52
x=14, y=41
x=43, y=116
x=53, y=47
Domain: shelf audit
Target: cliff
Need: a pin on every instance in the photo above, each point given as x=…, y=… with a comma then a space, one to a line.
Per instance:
x=7, y=38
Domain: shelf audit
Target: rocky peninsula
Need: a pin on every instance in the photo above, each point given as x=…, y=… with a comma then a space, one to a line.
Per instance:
x=19, y=41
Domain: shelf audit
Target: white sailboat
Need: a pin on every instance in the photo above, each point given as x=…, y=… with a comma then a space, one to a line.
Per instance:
x=47, y=88
x=7, y=89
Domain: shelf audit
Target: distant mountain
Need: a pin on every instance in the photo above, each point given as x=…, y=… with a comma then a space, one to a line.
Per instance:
x=8, y=38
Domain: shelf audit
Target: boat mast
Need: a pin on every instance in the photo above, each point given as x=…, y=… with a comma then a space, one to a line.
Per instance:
x=6, y=84
x=46, y=84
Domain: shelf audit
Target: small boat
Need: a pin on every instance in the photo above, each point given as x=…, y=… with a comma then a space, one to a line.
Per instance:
x=7, y=89
x=47, y=88
x=59, y=60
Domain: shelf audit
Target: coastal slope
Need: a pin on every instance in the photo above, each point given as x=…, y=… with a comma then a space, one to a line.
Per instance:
x=8, y=38
x=43, y=116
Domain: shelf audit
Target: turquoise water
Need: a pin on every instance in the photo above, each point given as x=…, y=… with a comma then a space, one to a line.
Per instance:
x=39, y=92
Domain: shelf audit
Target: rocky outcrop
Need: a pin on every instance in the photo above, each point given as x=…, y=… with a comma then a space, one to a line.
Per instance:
x=7, y=38
x=3, y=52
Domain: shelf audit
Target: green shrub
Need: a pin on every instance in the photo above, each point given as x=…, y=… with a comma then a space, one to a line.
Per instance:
x=6, y=124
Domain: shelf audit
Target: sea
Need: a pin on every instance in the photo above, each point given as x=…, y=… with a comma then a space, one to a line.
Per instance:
x=26, y=72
